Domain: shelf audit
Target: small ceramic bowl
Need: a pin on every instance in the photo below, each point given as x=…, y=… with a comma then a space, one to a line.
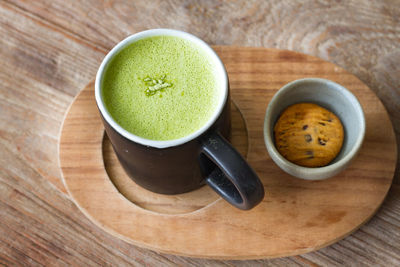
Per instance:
x=331, y=96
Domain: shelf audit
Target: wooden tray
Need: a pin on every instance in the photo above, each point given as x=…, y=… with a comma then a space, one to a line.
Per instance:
x=296, y=216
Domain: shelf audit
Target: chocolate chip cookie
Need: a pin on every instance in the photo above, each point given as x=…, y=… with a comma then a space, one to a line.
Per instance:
x=308, y=135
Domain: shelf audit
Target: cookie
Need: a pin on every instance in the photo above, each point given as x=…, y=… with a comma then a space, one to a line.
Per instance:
x=308, y=135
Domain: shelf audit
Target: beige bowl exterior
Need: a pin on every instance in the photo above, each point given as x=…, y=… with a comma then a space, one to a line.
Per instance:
x=331, y=96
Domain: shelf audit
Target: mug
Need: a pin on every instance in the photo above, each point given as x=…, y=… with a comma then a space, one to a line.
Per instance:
x=184, y=164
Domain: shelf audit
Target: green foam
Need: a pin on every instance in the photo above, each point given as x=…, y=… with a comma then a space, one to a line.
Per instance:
x=173, y=112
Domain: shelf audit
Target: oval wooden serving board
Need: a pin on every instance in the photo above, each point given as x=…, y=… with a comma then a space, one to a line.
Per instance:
x=296, y=216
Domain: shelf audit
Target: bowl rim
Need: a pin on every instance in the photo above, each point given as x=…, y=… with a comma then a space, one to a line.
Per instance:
x=310, y=173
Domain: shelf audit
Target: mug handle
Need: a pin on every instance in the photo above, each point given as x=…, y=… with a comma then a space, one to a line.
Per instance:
x=233, y=178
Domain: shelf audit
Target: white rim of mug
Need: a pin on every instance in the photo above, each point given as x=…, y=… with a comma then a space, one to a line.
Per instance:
x=313, y=173
x=221, y=74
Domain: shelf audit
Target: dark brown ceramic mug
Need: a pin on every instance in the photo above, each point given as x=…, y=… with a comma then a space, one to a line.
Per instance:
x=181, y=165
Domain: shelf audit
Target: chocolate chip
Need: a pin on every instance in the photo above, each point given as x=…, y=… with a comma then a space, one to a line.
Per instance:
x=323, y=124
x=321, y=141
x=308, y=138
x=305, y=127
x=310, y=154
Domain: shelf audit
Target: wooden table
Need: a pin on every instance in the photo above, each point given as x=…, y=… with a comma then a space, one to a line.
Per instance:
x=50, y=49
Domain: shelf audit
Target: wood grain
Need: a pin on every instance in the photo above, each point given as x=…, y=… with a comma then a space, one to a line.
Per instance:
x=51, y=49
x=295, y=217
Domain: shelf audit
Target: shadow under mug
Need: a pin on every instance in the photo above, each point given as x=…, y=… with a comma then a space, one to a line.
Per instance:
x=182, y=165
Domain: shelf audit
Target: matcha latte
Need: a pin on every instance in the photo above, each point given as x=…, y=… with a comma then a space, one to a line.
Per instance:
x=161, y=88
